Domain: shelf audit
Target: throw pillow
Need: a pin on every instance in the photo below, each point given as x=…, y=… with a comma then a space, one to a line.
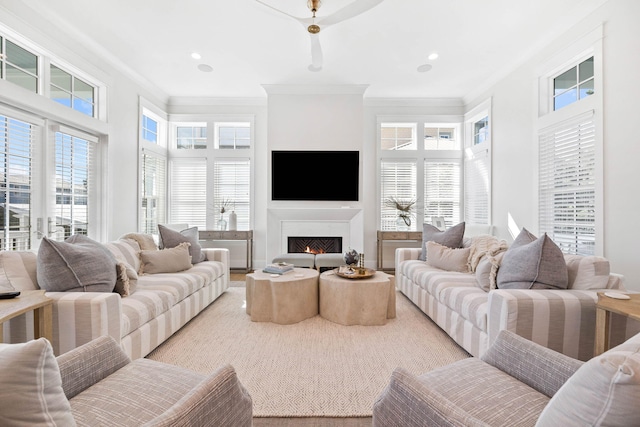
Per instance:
x=587, y=272
x=448, y=259
x=605, y=391
x=483, y=271
x=169, y=260
x=145, y=241
x=31, y=392
x=452, y=237
x=533, y=263
x=127, y=279
x=77, y=264
x=170, y=238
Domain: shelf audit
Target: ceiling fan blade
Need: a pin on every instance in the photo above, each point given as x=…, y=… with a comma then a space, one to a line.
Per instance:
x=316, y=53
x=349, y=11
x=303, y=21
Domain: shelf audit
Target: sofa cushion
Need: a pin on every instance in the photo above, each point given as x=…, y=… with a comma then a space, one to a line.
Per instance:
x=77, y=264
x=143, y=306
x=31, y=391
x=170, y=239
x=533, y=263
x=18, y=271
x=604, y=391
x=449, y=259
x=587, y=272
x=170, y=260
x=451, y=237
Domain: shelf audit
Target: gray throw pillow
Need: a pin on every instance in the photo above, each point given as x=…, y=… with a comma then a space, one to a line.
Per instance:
x=77, y=264
x=170, y=239
x=533, y=263
x=451, y=238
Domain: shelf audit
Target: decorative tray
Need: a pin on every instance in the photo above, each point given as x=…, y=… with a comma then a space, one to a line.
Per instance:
x=354, y=273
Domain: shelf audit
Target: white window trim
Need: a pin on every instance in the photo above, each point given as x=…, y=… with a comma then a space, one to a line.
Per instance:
x=590, y=44
x=470, y=150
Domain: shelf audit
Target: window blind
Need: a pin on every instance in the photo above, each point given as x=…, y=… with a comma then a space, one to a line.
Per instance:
x=188, y=193
x=73, y=184
x=153, y=191
x=231, y=182
x=397, y=179
x=477, y=185
x=16, y=142
x=567, y=184
x=442, y=191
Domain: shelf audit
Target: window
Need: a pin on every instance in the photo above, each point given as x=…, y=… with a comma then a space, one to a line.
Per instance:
x=574, y=84
x=567, y=184
x=149, y=129
x=429, y=173
x=232, y=136
x=191, y=136
x=71, y=91
x=73, y=164
x=231, y=181
x=18, y=65
x=477, y=165
x=153, y=192
x=16, y=140
x=188, y=183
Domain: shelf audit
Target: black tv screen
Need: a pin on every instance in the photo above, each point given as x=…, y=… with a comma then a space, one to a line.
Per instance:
x=315, y=175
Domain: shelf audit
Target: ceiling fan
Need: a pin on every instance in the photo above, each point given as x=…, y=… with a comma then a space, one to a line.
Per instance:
x=314, y=24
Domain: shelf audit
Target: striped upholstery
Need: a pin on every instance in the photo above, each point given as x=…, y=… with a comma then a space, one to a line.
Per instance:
x=562, y=320
x=161, y=305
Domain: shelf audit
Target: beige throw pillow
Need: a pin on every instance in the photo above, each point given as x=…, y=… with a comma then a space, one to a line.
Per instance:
x=449, y=259
x=31, y=392
x=145, y=241
x=587, y=272
x=169, y=260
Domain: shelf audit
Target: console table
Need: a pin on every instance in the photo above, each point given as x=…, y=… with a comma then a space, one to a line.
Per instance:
x=246, y=235
x=397, y=236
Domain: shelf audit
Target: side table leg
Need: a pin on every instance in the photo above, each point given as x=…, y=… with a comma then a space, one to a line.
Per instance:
x=602, y=331
x=43, y=322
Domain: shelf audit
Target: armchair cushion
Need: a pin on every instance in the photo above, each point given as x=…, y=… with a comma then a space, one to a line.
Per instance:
x=31, y=387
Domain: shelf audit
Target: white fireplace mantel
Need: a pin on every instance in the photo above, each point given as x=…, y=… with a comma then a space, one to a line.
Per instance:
x=321, y=222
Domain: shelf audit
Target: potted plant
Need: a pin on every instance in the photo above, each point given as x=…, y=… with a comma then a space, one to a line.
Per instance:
x=405, y=208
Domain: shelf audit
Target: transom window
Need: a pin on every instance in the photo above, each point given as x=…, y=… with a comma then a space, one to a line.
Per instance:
x=232, y=136
x=573, y=84
x=149, y=129
x=72, y=91
x=398, y=136
x=191, y=136
x=441, y=138
x=18, y=65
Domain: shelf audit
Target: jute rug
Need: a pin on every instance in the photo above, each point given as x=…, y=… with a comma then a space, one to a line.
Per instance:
x=314, y=368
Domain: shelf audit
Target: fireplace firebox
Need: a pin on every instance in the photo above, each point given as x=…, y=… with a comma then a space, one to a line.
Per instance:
x=314, y=245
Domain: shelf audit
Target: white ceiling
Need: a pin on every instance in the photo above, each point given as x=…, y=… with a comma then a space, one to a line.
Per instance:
x=249, y=45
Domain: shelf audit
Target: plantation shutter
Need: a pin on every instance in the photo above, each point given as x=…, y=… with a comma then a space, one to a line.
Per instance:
x=74, y=157
x=188, y=204
x=153, y=201
x=231, y=182
x=567, y=184
x=477, y=186
x=442, y=191
x=16, y=141
x=397, y=179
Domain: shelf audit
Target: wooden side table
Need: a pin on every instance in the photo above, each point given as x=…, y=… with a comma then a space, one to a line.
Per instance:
x=395, y=235
x=36, y=301
x=246, y=235
x=604, y=308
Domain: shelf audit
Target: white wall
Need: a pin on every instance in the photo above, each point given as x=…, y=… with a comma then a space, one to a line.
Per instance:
x=514, y=146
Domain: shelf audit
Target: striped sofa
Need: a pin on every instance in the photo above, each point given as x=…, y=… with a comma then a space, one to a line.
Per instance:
x=161, y=304
x=562, y=320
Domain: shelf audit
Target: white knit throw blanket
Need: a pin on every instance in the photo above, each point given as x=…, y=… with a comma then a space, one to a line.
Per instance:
x=484, y=245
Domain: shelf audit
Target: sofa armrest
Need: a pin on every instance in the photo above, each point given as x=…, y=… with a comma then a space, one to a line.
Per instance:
x=540, y=368
x=407, y=402
x=79, y=317
x=90, y=363
x=222, y=255
x=406, y=254
x=218, y=400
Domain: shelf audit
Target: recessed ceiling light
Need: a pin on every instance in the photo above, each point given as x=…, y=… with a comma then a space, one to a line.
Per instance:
x=205, y=68
x=424, y=68
x=433, y=56
x=196, y=55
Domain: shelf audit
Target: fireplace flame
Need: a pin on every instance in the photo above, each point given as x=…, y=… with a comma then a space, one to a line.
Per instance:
x=313, y=251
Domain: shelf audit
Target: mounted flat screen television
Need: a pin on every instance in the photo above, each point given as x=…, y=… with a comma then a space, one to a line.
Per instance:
x=315, y=175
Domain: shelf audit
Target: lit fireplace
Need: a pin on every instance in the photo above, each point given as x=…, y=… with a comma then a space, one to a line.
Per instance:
x=314, y=245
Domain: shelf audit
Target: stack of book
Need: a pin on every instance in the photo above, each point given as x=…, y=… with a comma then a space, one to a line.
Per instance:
x=278, y=268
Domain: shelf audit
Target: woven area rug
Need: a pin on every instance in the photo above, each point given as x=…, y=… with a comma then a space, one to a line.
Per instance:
x=314, y=368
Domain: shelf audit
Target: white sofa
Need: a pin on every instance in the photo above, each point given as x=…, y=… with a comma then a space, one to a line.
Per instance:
x=562, y=320
x=161, y=304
